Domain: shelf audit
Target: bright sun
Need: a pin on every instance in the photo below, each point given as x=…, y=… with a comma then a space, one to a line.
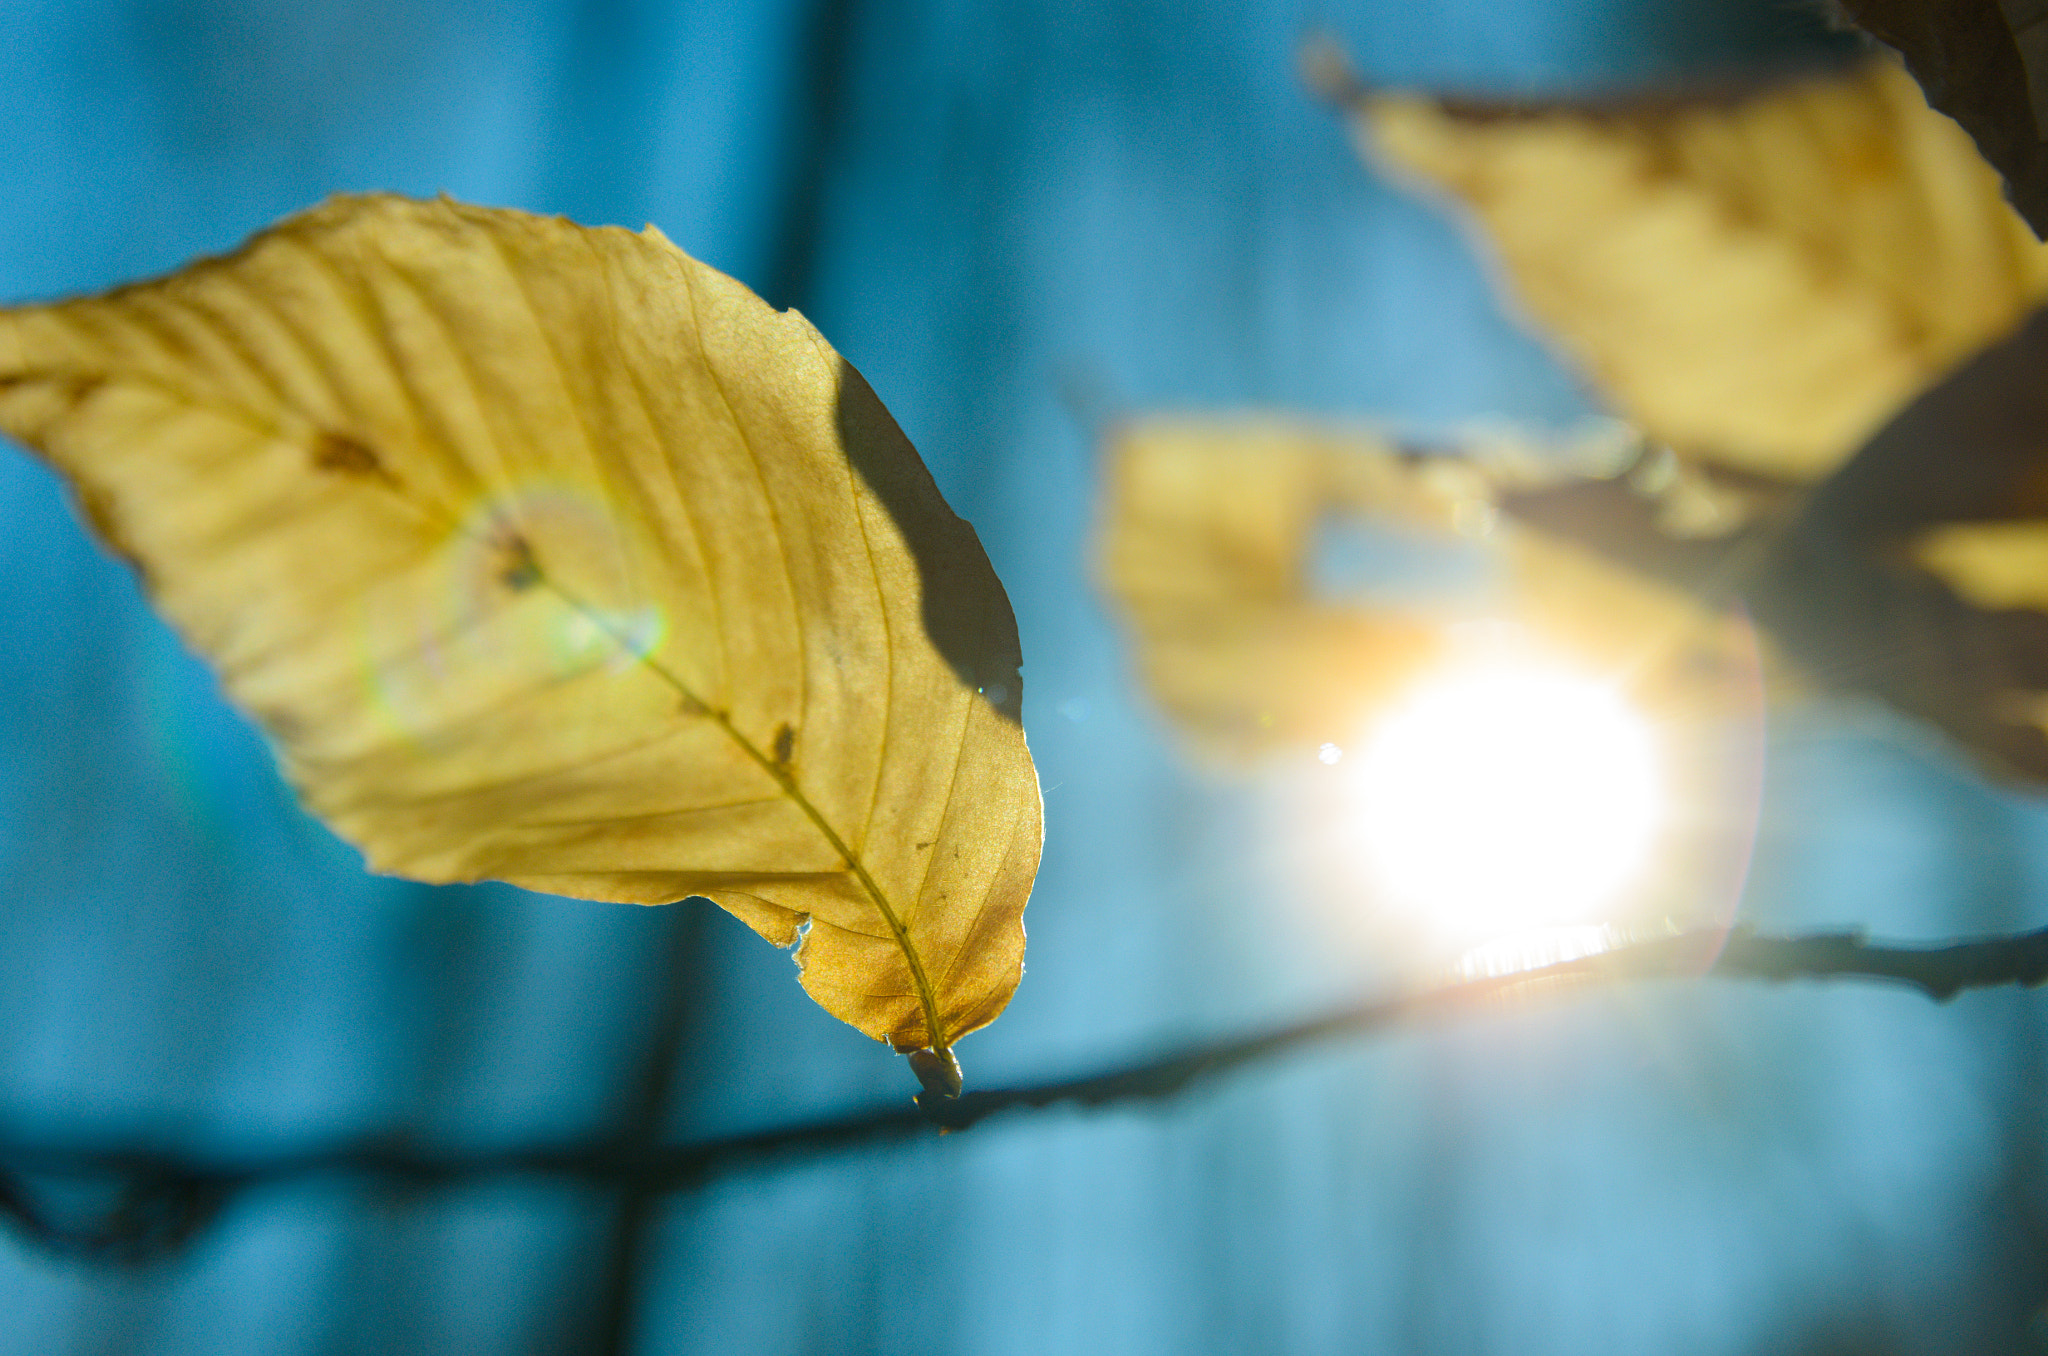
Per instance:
x=1505, y=798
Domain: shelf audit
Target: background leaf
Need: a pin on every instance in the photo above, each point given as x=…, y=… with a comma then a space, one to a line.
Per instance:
x=1985, y=64
x=1209, y=541
x=1916, y=573
x=1758, y=281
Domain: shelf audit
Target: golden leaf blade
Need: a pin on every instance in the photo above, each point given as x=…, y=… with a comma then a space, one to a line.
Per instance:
x=551, y=555
x=1760, y=283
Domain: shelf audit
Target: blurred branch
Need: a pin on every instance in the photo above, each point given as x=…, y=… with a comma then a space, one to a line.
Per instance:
x=160, y=1201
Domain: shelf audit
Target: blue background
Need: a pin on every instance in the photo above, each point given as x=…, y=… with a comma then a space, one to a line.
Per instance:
x=985, y=206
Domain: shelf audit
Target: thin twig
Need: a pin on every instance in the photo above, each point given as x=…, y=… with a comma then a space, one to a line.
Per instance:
x=165, y=1199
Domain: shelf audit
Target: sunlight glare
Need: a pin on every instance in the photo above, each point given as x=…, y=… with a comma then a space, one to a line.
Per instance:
x=1508, y=797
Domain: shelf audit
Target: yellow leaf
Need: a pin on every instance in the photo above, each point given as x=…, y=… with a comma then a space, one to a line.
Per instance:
x=1207, y=532
x=1759, y=282
x=1991, y=566
x=550, y=555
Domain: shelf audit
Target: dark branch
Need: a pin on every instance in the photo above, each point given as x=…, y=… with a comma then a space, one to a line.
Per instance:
x=161, y=1201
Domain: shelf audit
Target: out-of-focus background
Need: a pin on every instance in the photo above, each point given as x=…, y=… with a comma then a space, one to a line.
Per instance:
x=1014, y=218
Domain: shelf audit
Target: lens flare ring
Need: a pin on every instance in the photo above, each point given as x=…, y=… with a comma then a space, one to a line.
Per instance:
x=476, y=609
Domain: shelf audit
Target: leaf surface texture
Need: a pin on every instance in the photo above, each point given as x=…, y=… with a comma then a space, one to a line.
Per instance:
x=550, y=555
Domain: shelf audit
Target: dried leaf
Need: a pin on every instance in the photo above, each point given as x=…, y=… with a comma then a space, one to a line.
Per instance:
x=1206, y=544
x=1758, y=283
x=1916, y=573
x=1985, y=64
x=553, y=556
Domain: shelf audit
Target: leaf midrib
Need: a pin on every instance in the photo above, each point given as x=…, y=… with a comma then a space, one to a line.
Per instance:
x=926, y=998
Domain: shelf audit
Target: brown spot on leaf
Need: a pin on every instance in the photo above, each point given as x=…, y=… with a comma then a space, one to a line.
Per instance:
x=519, y=571
x=285, y=725
x=785, y=745
x=346, y=456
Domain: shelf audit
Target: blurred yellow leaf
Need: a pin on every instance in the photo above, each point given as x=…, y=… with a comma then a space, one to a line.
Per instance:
x=1757, y=282
x=1207, y=542
x=553, y=556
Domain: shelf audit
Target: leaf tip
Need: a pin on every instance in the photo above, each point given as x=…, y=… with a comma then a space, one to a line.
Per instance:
x=939, y=1072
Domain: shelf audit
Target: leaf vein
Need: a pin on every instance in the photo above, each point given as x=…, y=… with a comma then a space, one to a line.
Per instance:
x=672, y=464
